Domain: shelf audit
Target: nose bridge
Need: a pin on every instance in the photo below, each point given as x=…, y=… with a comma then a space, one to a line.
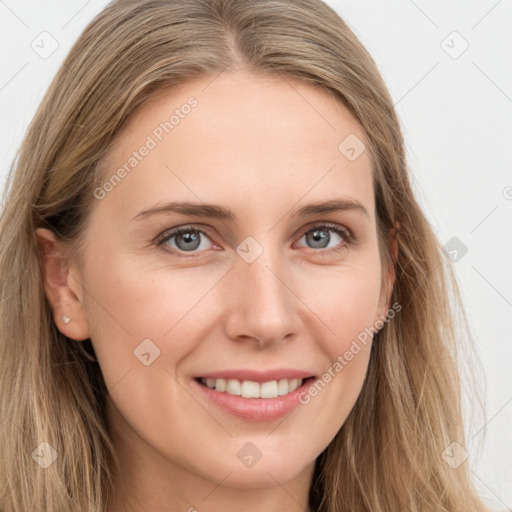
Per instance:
x=263, y=306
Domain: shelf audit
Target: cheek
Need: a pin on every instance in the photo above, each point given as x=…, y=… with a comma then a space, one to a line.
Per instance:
x=133, y=309
x=167, y=312
x=348, y=308
x=347, y=302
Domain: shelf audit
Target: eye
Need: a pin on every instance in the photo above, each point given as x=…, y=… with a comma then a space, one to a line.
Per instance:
x=321, y=237
x=193, y=240
x=186, y=239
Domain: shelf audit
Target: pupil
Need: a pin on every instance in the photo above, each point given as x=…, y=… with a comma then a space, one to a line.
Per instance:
x=188, y=237
x=319, y=236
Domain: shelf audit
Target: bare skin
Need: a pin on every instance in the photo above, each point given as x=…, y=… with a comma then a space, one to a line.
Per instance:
x=262, y=149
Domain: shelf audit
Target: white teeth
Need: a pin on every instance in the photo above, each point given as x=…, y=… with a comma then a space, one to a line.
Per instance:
x=269, y=389
x=233, y=387
x=251, y=389
x=220, y=384
x=283, y=387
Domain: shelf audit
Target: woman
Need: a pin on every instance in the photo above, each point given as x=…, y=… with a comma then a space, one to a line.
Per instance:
x=221, y=288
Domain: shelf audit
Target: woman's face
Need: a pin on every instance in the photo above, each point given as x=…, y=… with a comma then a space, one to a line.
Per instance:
x=264, y=284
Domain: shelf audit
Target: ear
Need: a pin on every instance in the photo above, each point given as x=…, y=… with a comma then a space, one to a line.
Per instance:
x=62, y=287
x=389, y=275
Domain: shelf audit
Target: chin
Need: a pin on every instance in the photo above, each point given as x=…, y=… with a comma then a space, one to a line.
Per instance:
x=274, y=466
x=264, y=475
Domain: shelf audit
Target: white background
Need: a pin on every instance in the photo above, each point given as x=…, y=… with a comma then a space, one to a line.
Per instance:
x=456, y=113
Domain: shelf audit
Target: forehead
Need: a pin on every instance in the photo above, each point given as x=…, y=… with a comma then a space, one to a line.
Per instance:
x=237, y=137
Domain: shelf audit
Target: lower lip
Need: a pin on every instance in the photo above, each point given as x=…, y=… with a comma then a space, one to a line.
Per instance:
x=256, y=409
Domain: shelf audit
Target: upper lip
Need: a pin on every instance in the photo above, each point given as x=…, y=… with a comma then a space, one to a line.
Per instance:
x=258, y=376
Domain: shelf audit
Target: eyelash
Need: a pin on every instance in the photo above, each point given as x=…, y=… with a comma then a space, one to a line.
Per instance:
x=342, y=231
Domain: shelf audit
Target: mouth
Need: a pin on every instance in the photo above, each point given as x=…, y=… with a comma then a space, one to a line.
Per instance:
x=253, y=389
x=254, y=395
x=250, y=400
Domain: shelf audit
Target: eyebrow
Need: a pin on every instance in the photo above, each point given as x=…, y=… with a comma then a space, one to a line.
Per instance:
x=219, y=212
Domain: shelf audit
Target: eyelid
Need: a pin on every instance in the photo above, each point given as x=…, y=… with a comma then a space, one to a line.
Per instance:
x=348, y=239
x=347, y=234
x=170, y=233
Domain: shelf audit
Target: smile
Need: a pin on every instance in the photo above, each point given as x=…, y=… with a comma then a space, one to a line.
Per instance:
x=254, y=400
x=252, y=389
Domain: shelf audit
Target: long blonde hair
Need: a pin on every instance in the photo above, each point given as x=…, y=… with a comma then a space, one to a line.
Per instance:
x=388, y=455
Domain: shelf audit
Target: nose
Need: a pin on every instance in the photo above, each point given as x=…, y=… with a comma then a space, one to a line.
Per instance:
x=262, y=305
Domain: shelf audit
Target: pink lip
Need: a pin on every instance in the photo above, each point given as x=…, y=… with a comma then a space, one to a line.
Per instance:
x=255, y=409
x=257, y=376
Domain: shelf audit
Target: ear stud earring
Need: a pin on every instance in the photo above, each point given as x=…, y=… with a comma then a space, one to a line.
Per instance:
x=66, y=319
